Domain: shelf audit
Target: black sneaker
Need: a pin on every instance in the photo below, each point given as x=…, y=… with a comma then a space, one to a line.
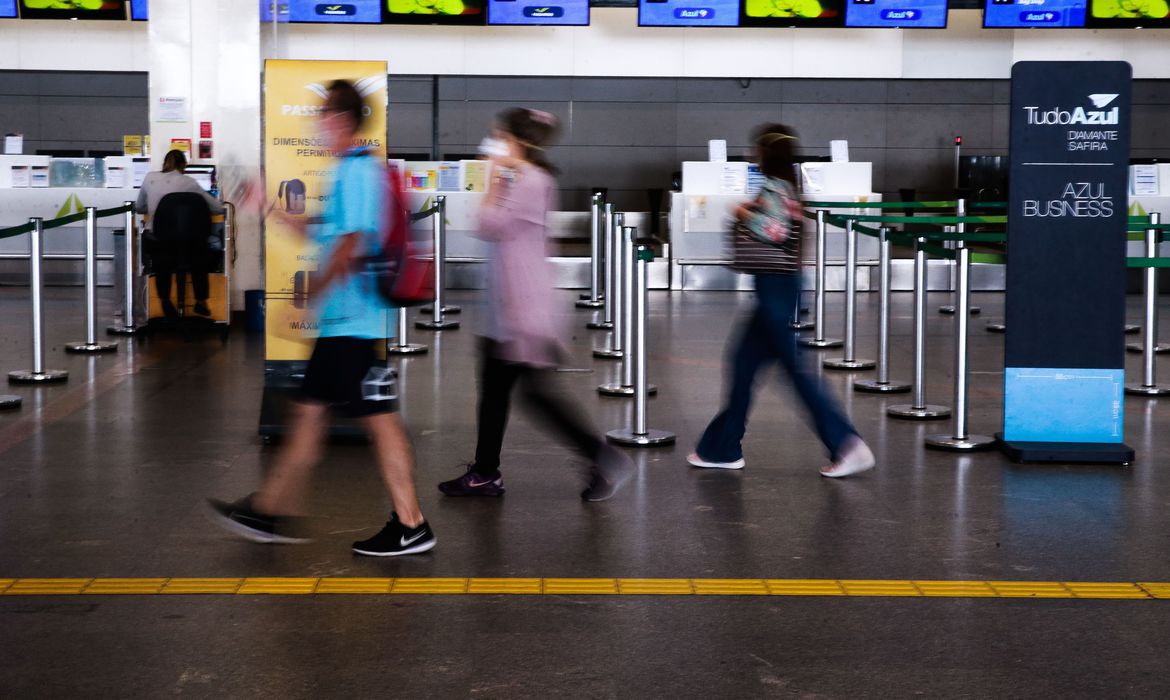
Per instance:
x=397, y=539
x=612, y=470
x=472, y=483
x=241, y=519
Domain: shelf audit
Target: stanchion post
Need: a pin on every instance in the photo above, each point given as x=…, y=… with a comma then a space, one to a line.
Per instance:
x=615, y=290
x=1150, y=299
x=819, y=340
x=849, y=361
x=638, y=435
x=129, y=274
x=402, y=346
x=960, y=440
x=38, y=374
x=919, y=409
x=592, y=300
x=439, y=242
x=625, y=384
x=90, y=344
x=883, y=385
x=960, y=211
x=607, y=266
x=1149, y=384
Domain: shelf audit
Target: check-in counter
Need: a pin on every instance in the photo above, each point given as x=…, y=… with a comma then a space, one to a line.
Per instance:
x=701, y=213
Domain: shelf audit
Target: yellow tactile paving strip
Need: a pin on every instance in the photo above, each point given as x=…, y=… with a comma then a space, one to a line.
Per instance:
x=1081, y=590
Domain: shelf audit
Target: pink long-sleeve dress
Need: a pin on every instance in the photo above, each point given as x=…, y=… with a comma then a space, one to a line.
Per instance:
x=520, y=317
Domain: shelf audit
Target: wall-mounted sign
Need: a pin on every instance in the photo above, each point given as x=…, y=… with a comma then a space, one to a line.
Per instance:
x=170, y=109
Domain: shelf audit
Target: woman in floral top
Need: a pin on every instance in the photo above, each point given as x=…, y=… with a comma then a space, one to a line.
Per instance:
x=766, y=244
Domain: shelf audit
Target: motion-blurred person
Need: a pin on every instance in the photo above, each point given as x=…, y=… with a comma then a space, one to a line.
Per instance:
x=155, y=186
x=520, y=344
x=767, y=245
x=343, y=372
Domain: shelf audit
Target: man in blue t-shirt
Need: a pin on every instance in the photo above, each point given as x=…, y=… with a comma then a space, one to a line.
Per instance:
x=344, y=372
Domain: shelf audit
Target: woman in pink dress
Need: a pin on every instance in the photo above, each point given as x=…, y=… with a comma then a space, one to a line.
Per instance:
x=521, y=339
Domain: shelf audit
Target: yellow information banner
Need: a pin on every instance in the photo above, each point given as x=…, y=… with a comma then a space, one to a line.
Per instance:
x=298, y=172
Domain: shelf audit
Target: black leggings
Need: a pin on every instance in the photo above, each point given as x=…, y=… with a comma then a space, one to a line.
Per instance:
x=497, y=379
x=162, y=284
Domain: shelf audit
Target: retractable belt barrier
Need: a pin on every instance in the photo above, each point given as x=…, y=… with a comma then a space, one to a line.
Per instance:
x=437, y=309
x=36, y=228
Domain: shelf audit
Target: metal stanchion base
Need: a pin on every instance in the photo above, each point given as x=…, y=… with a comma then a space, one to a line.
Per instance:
x=436, y=325
x=949, y=310
x=842, y=363
x=619, y=390
x=27, y=376
x=651, y=438
x=802, y=325
x=1131, y=329
x=9, y=401
x=822, y=343
x=90, y=347
x=600, y=295
x=950, y=443
x=1143, y=390
x=1138, y=347
x=446, y=309
x=993, y=327
x=910, y=412
x=604, y=354
x=125, y=330
x=600, y=325
x=408, y=349
x=873, y=386
x=588, y=303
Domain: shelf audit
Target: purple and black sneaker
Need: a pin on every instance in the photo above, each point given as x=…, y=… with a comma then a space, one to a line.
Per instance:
x=474, y=483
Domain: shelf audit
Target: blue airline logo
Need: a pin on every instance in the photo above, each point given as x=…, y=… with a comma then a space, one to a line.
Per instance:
x=544, y=12
x=333, y=10
x=902, y=15
x=1045, y=17
x=694, y=13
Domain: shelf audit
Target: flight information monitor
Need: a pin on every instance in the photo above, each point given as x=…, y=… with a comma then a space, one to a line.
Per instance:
x=688, y=13
x=530, y=12
x=1034, y=13
x=896, y=13
x=433, y=12
x=139, y=10
x=7, y=9
x=792, y=13
x=316, y=12
x=1129, y=13
x=73, y=9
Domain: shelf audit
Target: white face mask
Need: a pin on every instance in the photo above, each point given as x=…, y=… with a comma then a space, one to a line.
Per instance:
x=492, y=147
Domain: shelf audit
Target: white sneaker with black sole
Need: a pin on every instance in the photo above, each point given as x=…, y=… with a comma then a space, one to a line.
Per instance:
x=396, y=539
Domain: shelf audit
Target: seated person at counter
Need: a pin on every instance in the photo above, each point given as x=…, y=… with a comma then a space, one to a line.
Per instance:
x=155, y=187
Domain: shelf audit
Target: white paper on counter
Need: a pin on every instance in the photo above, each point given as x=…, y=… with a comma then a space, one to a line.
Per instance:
x=115, y=178
x=14, y=144
x=20, y=176
x=717, y=151
x=39, y=176
x=839, y=151
x=1144, y=180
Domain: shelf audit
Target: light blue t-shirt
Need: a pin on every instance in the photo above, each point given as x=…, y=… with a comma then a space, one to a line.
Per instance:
x=351, y=306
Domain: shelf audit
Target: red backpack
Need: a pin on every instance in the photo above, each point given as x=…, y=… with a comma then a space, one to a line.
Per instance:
x=403, y=270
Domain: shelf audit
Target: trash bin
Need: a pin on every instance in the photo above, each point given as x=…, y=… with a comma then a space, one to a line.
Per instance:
x=254, y=310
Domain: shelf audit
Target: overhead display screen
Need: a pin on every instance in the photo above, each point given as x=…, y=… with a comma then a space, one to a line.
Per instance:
x=688, y=13
x=529, y=12
x=316, y=12
x=1129, y=13
x=7, y=9
x=434, y=12
x=1034, y=13
x=73, y=9
x=792, y=13
x=896, y=13
x=139, y=10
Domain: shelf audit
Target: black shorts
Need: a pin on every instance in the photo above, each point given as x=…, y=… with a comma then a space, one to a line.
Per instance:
x=346, y=374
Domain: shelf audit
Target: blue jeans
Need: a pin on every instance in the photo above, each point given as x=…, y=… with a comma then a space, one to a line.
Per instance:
x=769, y=337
